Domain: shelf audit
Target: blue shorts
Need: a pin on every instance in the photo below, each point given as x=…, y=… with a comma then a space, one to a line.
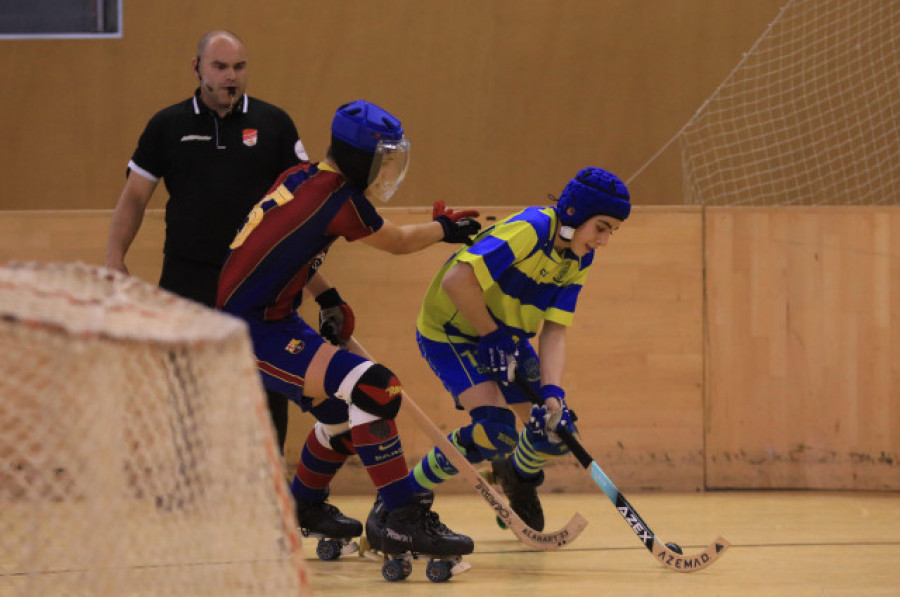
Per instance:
x=284, y=350
x=456, y=365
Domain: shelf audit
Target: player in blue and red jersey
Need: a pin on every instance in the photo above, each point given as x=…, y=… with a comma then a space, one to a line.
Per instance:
x=521, y=276
x=274, y=258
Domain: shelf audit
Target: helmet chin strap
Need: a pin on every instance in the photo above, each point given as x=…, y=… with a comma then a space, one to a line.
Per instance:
x=566, y=233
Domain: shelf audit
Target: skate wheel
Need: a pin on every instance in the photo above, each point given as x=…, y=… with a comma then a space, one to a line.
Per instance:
x=396, y=569
x=437, y=570
x=328, y=550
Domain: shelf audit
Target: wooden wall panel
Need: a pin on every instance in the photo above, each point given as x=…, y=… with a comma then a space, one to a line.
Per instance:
x=801, y=376
x=503, y=100
x=635, y=355
x=635, y=368
x=78, y=235
x=804, y=344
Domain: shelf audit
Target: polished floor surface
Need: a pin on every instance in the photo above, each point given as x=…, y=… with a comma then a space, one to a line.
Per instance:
x=782, y=544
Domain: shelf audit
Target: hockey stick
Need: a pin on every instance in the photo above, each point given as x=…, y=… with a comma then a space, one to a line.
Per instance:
x=527, y=535
x=667, y=556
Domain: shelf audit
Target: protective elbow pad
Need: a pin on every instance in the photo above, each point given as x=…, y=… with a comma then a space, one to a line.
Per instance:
x=377, y=392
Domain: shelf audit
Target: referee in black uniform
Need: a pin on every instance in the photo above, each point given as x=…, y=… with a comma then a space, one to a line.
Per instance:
x=218, y=153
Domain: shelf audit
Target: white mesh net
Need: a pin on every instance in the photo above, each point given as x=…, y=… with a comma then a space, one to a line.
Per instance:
x=810, y=116
x=136, y=456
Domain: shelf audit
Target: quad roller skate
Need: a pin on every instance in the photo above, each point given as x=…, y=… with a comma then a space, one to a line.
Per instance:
x=335, y=532
x=522, y=494
x=411, y=533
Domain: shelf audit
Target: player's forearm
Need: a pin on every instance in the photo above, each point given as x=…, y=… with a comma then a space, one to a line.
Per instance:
x=317, y=285
x=415, y=237
x=409, y=238
x=552, y=353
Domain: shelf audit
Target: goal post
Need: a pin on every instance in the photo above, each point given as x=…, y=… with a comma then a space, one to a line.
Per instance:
x=136, y=452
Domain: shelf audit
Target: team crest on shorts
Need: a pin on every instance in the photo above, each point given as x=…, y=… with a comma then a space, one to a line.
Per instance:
x=250, y=136
x=294, y=346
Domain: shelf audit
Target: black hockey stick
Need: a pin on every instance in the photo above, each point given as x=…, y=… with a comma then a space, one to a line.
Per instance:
x=668, y=557
x=545, y=541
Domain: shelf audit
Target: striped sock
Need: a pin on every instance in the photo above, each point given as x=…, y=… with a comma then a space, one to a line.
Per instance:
x=527, y=460
x=378, y=447
x=435, y=467
x=317, y=467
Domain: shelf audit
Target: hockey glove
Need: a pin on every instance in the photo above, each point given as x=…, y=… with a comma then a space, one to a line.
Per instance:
x=336, y=320
x=498, y=353
x=458, y=226
x=544, y=422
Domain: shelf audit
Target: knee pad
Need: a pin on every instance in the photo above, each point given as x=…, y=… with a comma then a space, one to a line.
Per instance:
x=373, y=388
x=492, y=433
x=337, y=437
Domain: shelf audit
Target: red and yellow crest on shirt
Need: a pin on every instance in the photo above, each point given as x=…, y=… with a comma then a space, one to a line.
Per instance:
x=250, y=137
x=294, y=346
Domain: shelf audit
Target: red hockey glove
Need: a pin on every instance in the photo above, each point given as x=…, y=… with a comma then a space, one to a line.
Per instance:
x=336, y=319
x=458, y=226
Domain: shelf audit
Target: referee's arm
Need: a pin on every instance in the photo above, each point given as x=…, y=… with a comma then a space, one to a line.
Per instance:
x=127, y=218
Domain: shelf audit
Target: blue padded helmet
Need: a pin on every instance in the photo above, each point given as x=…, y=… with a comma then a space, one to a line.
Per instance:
x=356, y=129
x=362, y=124
x=593, y=192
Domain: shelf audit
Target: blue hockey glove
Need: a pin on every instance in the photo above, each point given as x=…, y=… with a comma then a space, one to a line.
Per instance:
x=544, y=422
x=498, y=353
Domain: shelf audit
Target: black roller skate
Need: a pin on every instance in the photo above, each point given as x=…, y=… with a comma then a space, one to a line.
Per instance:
x=522, y=494
x=326, y=523
x=370, y=543
x=413, y=532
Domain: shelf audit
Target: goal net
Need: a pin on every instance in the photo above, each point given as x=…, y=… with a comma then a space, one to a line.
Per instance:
x=810, y=115
x=136, y=453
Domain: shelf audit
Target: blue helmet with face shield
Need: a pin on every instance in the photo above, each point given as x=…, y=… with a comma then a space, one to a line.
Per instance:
x=369, y=147
x=593, y=192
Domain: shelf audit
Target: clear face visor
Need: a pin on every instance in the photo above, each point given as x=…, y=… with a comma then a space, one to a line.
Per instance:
x=388, y=169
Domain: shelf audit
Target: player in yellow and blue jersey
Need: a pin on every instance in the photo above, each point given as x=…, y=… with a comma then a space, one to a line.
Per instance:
x=520, y=278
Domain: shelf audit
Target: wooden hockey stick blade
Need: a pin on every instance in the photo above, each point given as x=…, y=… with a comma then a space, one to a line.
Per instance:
x=667, y=557
x=545, y=541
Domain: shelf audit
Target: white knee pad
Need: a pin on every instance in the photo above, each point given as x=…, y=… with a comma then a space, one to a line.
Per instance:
x=360, y=417
x=345, y=390
x=325, y=431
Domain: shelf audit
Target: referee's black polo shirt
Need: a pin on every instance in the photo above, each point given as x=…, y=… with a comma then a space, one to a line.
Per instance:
x=215, y=169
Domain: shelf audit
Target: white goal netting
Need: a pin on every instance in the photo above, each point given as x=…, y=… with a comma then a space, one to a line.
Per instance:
x=810, y=115
x=136, y=453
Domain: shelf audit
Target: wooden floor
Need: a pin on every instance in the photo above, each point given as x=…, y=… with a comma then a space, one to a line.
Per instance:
x=783, y=544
